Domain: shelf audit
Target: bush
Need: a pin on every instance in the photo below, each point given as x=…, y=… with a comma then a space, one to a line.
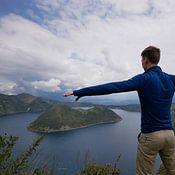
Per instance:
x=94, y=169
x=20, y=165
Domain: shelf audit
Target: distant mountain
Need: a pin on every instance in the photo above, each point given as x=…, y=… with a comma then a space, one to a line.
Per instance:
x=10, y=104
x=63, y=117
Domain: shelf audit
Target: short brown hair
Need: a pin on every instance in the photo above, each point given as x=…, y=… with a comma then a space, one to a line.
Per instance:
x=152, y=53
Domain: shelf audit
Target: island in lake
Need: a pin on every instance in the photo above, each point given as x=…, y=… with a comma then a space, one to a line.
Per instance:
x=64, y=118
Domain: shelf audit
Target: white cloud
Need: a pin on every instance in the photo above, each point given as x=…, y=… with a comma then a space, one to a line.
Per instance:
x=31, y=13
x=131, y=6
x=103, y=8
x=46, y=5
x=51, y=85
x=163, y=8
x=7, y=87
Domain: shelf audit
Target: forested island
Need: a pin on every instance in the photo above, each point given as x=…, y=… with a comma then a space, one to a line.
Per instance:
x=64, y=118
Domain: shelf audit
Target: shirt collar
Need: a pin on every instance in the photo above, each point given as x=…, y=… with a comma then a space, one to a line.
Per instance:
x=154, y=68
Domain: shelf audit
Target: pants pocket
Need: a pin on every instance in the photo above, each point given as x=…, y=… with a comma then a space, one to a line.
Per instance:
x=143, y=138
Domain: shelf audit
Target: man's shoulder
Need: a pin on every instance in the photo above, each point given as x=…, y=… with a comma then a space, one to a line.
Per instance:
x=140, y=78
x=143, y=75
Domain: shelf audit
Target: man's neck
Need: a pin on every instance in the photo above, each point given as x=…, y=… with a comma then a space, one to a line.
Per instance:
x=151, y=65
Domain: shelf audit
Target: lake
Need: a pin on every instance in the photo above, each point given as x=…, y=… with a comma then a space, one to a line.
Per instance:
x=67, y=151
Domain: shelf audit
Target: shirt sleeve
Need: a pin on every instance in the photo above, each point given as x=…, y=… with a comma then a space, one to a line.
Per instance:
x=133, y=84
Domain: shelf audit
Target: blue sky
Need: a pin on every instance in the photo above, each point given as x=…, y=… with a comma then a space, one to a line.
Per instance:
x=50, y=46
x=18, y=7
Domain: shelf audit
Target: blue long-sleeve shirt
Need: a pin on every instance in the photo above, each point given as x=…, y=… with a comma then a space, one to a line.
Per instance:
x=155, y=89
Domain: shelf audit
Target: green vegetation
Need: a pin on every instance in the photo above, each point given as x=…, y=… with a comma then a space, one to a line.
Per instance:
x=62, y=117
x=91, y=168
x=94, y=169
x=11, y=104
x=20, y=165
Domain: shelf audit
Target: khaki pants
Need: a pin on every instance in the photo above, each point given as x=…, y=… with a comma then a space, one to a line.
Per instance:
x=162, y=142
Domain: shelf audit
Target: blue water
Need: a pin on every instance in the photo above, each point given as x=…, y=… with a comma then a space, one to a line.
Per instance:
x=67, y=151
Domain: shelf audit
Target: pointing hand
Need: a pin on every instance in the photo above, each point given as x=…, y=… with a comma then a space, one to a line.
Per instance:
x=68, y=93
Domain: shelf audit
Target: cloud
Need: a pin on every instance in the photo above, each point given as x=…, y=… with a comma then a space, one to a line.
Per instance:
x=46, y=5
x=64, y=10
x=38, y=54
x=163, y=8
x=98, y=42
x=32, y=14
x=51, y=85
x=130, y=7
x=7, y=87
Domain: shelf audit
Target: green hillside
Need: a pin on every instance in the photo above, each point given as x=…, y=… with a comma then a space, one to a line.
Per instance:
x=11, y=104
x=62, y=117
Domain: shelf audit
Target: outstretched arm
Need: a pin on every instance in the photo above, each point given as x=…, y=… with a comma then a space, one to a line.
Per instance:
x=132, y=84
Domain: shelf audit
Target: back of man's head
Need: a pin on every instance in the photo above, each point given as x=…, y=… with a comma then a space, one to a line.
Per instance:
x=152, y=53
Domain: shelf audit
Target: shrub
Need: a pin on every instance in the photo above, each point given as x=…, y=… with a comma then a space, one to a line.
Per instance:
x=20, y=165
x=94, y=169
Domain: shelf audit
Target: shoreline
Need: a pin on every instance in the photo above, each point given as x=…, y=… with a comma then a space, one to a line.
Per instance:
x=71, y=129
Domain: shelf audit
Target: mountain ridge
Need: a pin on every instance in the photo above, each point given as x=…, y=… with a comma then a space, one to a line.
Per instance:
x=11, y=104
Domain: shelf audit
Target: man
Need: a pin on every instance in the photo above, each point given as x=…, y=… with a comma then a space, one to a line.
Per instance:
x=155, y=89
